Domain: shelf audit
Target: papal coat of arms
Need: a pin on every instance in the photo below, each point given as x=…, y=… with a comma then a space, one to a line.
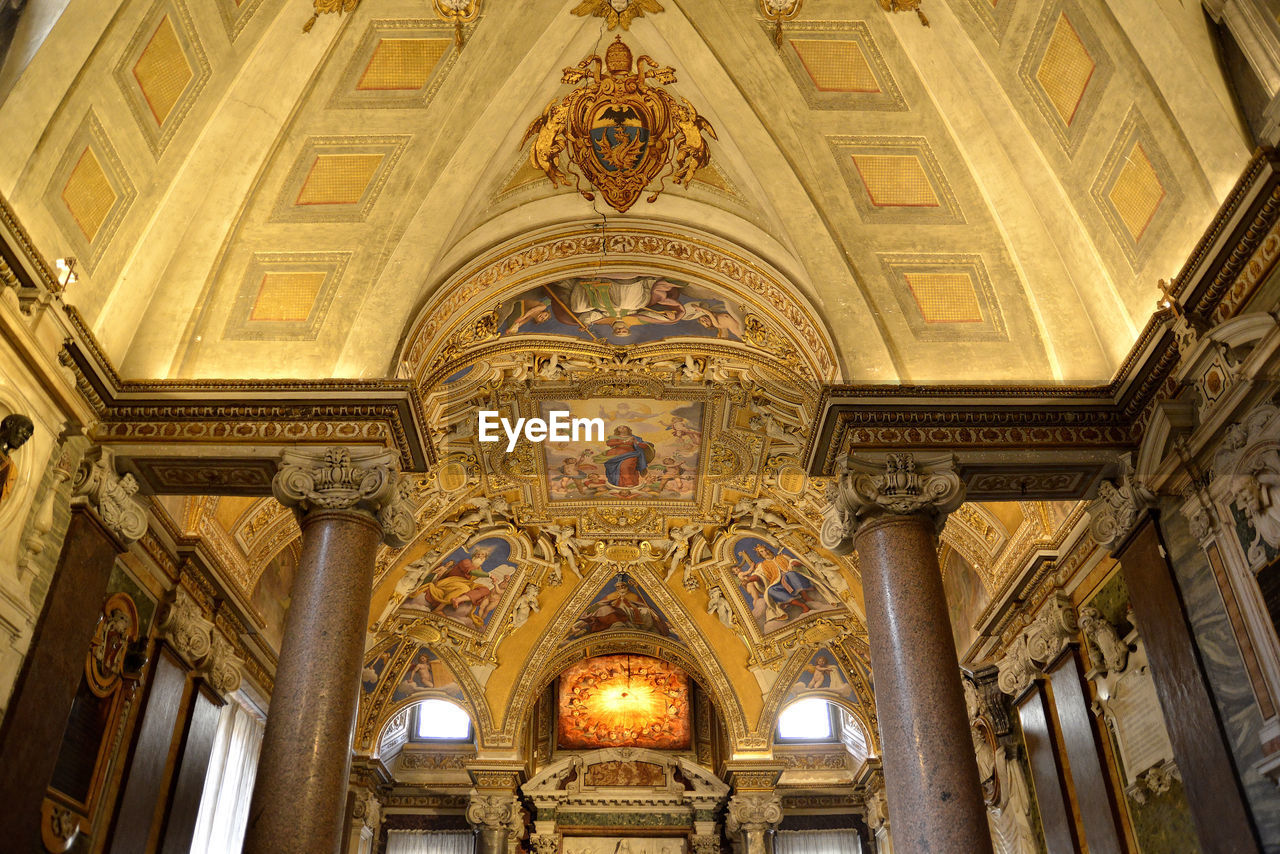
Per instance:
x=621, y=132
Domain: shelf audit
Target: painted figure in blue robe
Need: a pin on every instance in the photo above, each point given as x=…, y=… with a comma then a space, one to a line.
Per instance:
x=628, y=457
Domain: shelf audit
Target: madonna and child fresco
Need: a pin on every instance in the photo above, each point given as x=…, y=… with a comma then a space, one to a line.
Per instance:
x=466, y=585
x=777, y=585
x=650, y=450
x=621, y=310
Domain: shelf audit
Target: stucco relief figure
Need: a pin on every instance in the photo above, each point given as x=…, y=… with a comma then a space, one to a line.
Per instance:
x=1106, y=650
x=15, y=430
x=718, y=606
x=1010, y=818
x=1257, y=497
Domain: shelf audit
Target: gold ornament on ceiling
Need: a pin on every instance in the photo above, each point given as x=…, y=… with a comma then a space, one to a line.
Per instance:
x=905, y=6
x=459, y=12
x=617, y=13
x=328, y=7
x=620, y=131
x=779, y=11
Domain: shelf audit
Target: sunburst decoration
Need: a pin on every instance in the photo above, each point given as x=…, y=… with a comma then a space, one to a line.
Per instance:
x=617, y=13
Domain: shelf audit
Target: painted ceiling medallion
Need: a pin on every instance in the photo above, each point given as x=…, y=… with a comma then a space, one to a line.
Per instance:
x=617, y=13
x=620, y=131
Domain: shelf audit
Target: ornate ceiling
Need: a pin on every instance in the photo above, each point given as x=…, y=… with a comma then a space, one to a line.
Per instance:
x=989, y=199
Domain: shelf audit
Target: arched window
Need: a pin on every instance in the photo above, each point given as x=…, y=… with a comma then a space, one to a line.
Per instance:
x=439, y=720
x=810, y=719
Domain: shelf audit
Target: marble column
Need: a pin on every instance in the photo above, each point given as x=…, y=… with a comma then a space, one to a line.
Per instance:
x=891, y=513
x=752, y=820
x=347, y=501
x=104, y=519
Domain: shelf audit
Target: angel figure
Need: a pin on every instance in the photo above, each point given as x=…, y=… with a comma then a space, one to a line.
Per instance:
x=414, y=573
x=719, y=606
x=692, y=152
x=568, y=544
x=831, y=574
x=760, y=510
x=487, y=510
x=547, y=132
x=617, y=12
x=525, y=606
x=679, y=544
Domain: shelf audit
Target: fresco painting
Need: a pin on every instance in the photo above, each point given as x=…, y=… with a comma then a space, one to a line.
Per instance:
x=622, y=310
x=821, y=673
x=420, y=672
x=966, y=598
x=778, y=587
x=650, y=450
x=467, y=585
x=621, y=604
x=623, y=701
x=272, y=593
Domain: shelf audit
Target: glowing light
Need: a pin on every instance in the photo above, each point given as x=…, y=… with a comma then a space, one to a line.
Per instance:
x=442, y=719
x=807, y=719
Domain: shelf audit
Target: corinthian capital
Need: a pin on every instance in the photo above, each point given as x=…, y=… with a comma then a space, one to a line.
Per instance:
x=1118, y=506
x=495, y=812
x=752, y=812
x=110, y=495
x=903, y=485
x=365, y=480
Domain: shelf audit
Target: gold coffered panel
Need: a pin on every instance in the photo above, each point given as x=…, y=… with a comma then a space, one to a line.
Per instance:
x=1137, y=192
x=88, y=194
x=838, y=66
x=162, y=71
x=1136, y=189
x=945, y=297
x=895, y=179
x=338, y=178
x=285, y=296
x=1065, y=70
x=400, y=64
x=397, y=64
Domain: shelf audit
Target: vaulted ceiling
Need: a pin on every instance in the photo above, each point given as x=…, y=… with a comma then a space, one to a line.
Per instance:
x=991, y=197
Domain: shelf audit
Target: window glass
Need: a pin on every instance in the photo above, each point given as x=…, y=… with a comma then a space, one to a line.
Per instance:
x=806, y=720
x=440, y=719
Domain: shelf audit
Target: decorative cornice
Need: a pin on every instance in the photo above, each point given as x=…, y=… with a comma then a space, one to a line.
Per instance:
x=110, y=495
x=348, y=479
x=901, y=485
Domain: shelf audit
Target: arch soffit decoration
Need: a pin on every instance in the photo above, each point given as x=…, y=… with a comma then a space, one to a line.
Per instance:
x=455, y=317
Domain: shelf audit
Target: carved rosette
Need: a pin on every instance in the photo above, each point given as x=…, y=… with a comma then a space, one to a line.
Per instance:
x=363, y=480
x=1037, y=644
x=903, y=485
x=111, y=496
x=1116, y=510
x=753, y=812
